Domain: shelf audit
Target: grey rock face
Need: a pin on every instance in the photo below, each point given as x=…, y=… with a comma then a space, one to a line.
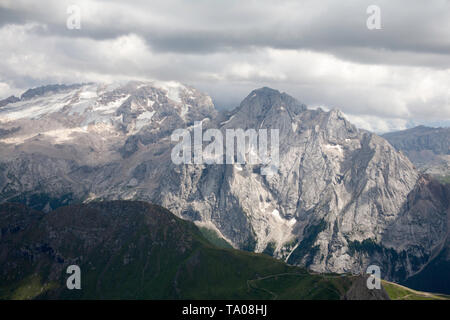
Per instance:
x=342, y=198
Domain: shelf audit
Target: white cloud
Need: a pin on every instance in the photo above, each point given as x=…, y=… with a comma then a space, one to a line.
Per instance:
x=6, y=90
x=377, y=124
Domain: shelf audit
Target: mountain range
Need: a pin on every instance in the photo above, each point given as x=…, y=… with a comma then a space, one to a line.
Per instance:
x=342, y=198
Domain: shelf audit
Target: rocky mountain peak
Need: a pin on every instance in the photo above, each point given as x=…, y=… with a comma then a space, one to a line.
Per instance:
x=263, y=100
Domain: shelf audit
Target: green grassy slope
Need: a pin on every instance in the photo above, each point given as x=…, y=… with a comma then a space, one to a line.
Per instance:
x=398, y=292
x=133, y=250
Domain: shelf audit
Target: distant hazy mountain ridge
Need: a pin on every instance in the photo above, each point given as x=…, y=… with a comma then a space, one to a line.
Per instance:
x=428, y=148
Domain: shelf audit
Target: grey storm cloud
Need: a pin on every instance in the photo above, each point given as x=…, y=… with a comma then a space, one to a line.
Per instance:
x=318, y=51
x=204, y=26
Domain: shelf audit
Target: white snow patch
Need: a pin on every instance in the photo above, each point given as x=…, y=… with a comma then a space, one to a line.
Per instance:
x=293, y=249
x=174, y=94
x=61, y=135
x=35, y=108
x=172, y=88
x=111, y=106
x=18, y=139
x=184, y=110
x=147, y=115
x=88, y=94
x=333, y=149
x=276, y=214
x=143, y=119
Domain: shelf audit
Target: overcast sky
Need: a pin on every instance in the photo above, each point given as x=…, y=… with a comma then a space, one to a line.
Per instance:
x=320, y=52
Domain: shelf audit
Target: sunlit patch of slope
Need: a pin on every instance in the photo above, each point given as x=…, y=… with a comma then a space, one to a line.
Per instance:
x=399, y=292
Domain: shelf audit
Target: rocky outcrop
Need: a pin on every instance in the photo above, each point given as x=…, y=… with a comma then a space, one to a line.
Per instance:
x=359, y=291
